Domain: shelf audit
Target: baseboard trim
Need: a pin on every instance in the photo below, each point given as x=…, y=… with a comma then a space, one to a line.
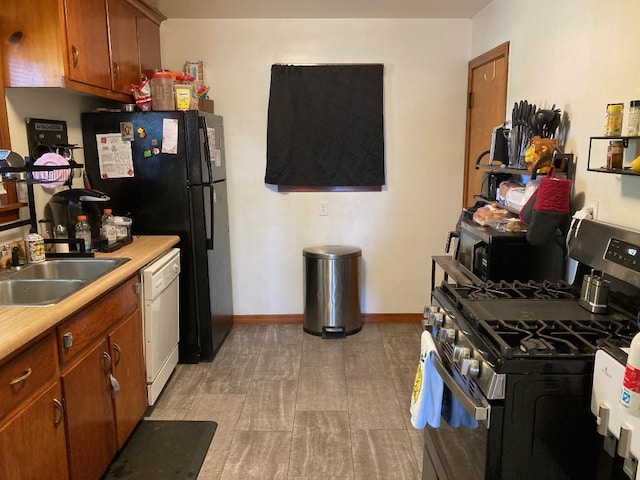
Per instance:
x=297, y=318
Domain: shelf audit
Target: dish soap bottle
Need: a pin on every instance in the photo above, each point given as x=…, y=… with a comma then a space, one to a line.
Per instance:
x=83, y=231
x=109, y=227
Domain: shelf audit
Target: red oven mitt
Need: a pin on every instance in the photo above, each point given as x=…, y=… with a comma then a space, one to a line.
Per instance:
x=548, y=210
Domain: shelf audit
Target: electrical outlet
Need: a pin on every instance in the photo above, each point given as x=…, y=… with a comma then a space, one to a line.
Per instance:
x=592, y=207
x=324, y=208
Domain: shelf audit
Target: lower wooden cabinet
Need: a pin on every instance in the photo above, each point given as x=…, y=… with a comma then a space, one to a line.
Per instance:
x=70, y=400
x=130, y=402
x=33, y=442
x=103, y=379
x=90, y=424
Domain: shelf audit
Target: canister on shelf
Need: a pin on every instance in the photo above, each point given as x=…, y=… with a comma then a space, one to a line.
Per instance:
x=34, y=248
x=162, y=91
x=634, y=118
x=615, y=152
x=185, y=91
x=613, y=124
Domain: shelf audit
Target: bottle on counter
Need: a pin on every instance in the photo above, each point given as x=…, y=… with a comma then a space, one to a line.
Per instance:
x=108, y=229
x=60, y=233
x=630, y=395
x=83, y=231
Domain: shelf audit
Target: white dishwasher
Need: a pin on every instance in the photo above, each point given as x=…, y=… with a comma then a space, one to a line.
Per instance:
x=161, y=314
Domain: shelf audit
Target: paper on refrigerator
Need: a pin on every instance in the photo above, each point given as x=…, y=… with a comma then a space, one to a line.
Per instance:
x=114, y=156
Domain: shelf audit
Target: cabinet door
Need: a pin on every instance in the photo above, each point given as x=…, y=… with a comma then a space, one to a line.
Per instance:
x=87, y=42
x=128, y=368
x=149, y=45
x=90, y=427
x=32, y=444
x=123, y=38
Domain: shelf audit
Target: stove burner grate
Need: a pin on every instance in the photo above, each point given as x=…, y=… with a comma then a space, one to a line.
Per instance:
x=529, y=338
x=512, y=290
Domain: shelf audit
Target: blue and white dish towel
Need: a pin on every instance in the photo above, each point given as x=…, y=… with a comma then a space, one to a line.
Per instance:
x=426, y=398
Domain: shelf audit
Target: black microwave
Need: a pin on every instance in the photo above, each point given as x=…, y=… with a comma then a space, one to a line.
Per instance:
x=487, y=253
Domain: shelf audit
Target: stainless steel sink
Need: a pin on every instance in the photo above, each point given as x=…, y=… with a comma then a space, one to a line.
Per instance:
x=36, y=292
x=47, y=283
x=69, y=269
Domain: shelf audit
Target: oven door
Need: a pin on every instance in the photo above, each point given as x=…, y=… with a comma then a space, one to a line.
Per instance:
x=456, y=453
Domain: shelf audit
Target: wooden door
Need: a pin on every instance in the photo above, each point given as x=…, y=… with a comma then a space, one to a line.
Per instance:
x=89, y=414
x=123, y=39
x=33, y=443
x=128, y=368
x=487, y=94
x=87, y=42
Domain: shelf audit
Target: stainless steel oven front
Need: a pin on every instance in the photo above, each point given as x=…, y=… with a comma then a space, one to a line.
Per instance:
x=458, y=452
x=533, y=417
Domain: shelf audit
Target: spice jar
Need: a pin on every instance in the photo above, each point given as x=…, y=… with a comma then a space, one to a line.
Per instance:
x=162, y=91
x=614, y=155
x=613, y=124
x=634, y=119
x=34, y=248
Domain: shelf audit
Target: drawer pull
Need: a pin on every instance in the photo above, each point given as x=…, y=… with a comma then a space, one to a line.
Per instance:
x=75, y=55
x=107, y=362
x=21, y=378
x=117, y=354
x=67, y=340
x=57, y=405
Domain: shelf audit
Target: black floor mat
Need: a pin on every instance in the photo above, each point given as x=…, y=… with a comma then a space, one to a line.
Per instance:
x=163, y=449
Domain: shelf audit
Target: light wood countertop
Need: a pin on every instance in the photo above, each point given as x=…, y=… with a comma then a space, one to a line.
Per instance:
x=20, y=325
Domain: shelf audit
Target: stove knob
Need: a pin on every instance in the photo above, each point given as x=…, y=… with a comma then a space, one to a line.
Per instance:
x=438, y=319
x=447, y=335
x=470, y=367
x=461, y=353
x=428, y=314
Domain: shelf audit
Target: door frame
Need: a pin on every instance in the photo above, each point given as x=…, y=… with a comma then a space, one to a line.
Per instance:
x=495, y=53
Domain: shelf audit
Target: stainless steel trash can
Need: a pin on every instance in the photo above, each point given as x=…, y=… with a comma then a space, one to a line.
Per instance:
x=332, y=290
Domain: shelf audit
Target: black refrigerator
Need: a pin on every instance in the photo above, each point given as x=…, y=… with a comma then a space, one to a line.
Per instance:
x=166, y=170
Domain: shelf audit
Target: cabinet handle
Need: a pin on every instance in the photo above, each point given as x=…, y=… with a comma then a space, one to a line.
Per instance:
x=107, y=362
x=75, y=54
x=21, y=378
x=57, y=405
x=116, y=71
x=117, y=354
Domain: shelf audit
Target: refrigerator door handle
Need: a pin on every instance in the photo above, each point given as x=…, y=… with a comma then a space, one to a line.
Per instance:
x=212, y=201
x=202, y=124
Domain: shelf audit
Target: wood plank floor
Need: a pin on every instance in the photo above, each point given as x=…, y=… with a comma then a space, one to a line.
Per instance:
x=290, y=405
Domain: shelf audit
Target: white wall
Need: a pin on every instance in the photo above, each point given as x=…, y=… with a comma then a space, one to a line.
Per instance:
x=398, y=229
x=580, y=55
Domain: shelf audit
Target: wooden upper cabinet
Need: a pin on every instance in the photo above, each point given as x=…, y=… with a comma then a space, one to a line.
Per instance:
x=88, y=42
x=86, y=45
x=33, y=50
x=148, y=45
x=125, y=64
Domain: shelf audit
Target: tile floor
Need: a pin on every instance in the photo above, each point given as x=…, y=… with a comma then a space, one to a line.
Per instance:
x=290, y=405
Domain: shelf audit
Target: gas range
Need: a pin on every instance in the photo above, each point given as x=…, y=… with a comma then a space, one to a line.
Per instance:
x=520, y=355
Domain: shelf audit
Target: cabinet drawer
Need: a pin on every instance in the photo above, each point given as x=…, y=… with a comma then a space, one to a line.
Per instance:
x=27, y=373
x=85, y=328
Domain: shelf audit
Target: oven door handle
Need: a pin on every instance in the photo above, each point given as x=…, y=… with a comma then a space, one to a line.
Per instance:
x=479, y=412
